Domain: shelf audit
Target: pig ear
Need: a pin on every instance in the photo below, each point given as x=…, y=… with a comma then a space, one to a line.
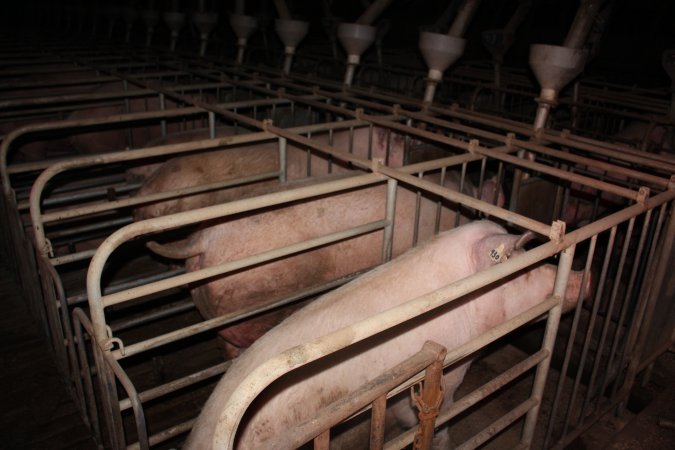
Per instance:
x=491, y=192
x=494, y=249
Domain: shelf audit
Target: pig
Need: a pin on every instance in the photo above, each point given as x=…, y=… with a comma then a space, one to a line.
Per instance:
x=264, y=284
x=449, y=257
x=98, y=141
x=251, y=159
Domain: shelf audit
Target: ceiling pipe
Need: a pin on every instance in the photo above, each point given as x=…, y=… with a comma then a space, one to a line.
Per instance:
x=113, y=13
x=330, y=24
x=205, y=23
x=440, y=51
x=243, y=27
x=374, y=11
x=130, y=16
x=583, y=23
x=498, y=42
x=555, y=66
x=175, y=21
x=463, y=19
x=239, y=7
x=598, y=29
x=358, y=36
x=282, y=9
x=151, y=18
x=290, y=31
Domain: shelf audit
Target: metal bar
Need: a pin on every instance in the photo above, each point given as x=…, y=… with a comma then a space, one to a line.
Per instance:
x=559, y=288
x=216, y=322
x=342, y=408
x=223, y=268
x=175, y=385
x=570, y=343
x=502, y=423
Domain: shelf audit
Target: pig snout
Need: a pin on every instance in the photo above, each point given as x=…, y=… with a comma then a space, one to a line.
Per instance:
x=578, y=289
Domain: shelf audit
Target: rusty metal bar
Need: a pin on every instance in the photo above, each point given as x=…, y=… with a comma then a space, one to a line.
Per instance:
x=502, y=423
x=429, y=401
x=173, y=386
x=377, y=429
x=342, y=409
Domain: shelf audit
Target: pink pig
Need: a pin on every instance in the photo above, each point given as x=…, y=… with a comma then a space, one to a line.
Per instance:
x=449, y=257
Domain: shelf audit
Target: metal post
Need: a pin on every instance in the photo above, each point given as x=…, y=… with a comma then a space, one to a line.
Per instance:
x=559, y=288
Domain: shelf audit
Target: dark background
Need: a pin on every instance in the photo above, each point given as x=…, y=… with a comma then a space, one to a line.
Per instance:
x=629, y=53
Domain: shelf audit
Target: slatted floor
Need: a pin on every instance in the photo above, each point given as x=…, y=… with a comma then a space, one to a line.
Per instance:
x=36, y=411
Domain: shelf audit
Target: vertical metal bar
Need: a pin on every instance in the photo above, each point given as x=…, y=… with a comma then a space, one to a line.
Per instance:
x=212, y=125
x=162, y=107
x=626, y=303
x=646, y=312
x=86, y=375
x=283, y=143
x=570, y=343
x=458, y=207
x=127, y=109
x=559, y=289
x=390, y=214
x=370, y=141
x=322, y=441
x=515, y=187
x=417, y=218
x=589, y=331
x=429, y=402
x=377, y=423
x=608, y=320
x=439, y=203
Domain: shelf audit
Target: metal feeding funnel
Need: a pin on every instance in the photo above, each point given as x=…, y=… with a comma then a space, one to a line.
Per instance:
x=205, y=21
x=440, y=50
x=243, y=27
x=497, y=42
x=555, y=66
x=291, y=32
x=175, y=21
x=355, y=38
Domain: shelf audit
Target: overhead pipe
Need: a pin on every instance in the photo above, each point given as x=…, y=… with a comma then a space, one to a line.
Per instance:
x=130, y=15
x=598, y=29
x=151, y=18
x=329, y=23
x=583, y=23
x=205, y=23
x=239, y=7
x=113, y=13
x=374, y=11
x=356, y=37
x=290, y=31
x=243, y=27
x=498, y=42
x=175, y=21
x=440, y=51
x=555, y=66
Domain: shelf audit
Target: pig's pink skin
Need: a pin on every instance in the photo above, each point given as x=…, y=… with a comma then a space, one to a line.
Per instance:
x=245, y=160
x=449, y=257
x=261, y=285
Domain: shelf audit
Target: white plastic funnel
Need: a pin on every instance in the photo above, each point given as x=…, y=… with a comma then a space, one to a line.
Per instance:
x=555, y=66
x=205, y=23
x=243, y=27
x=291, y=32
x=355, y=38
x=439, y=52
x=175, y=22
x=151, y=18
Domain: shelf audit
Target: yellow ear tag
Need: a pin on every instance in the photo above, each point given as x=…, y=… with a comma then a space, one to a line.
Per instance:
x=497, y=254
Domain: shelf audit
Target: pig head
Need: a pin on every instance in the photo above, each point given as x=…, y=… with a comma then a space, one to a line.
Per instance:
x=298, y=396
x=267, y=283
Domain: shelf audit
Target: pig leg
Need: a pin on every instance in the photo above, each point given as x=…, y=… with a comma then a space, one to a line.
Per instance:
x=404, y=413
